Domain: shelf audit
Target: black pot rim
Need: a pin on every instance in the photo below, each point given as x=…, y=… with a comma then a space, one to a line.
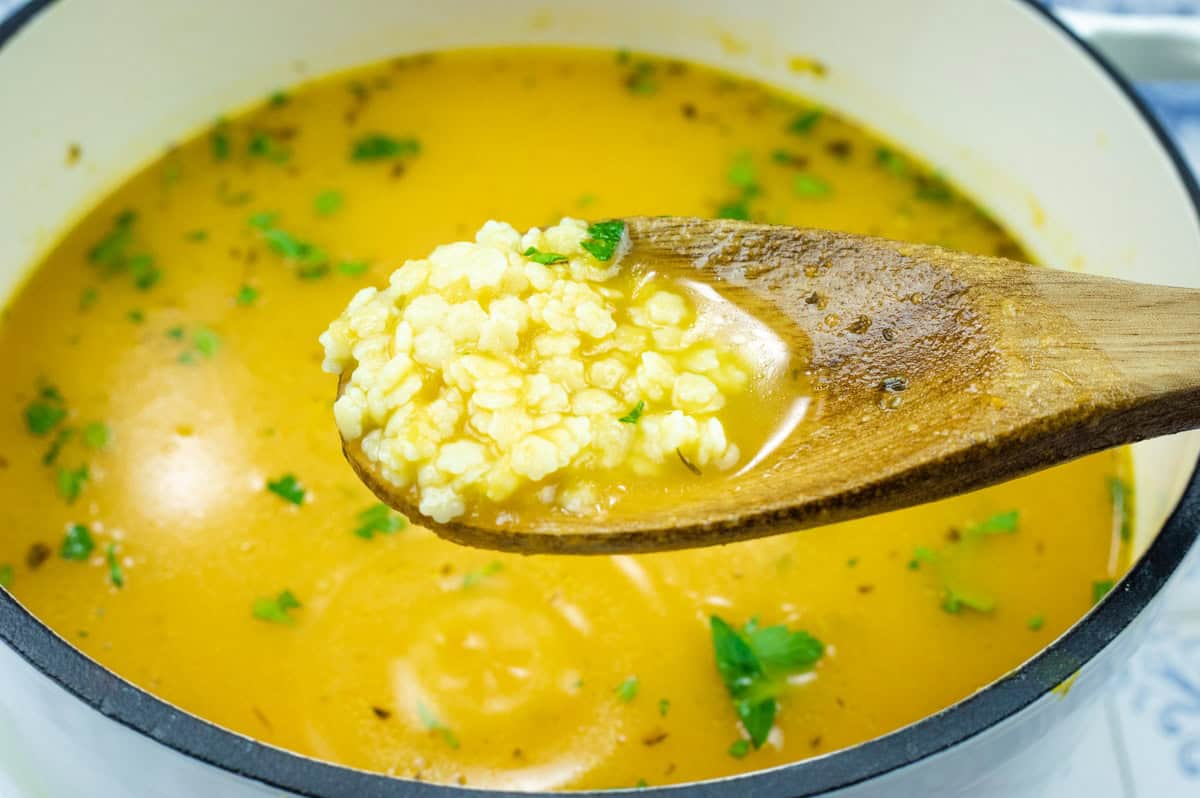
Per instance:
x=201, y=740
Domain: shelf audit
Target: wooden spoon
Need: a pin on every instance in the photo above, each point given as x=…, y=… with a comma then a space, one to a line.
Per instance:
x=938, y=372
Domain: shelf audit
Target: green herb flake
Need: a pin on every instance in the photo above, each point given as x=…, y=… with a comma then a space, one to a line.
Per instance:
x=262, y=220
x=46, y=412
x=7, y=574
x=136, y=316
x=218, y=141
x=955, y=601
x=353, y=268
x=627, y=690
x=1120, y=493
x=88, y=298
x=604, y=238
x=205, y=341
x=276, y=609
x=891, y=161
x=246, y=295
x=803, y=123
x=71, y=482
x=328, y=203
x=810, y=186
x=380, y=147
x=742, y=174
x=430, y=721
x=634, y=414
x=196, y=236
x=278, y=99
x=738, y=210
x=268, y=148
x=739, y=748
x=474, y=578
x=932, y=188
x=921, y=554
x=60, y=440
x=379, y=519
x=544, y=258
x=287, y=488
x=175, y=333
x=754, y=664
x=664, y=706
x=77, y=543
x=999, y=524
x=1035, y=622
x=115, y=575
x=96, y=435
x=1101, y=588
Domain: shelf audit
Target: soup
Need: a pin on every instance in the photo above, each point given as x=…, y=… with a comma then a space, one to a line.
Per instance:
x=177, y=505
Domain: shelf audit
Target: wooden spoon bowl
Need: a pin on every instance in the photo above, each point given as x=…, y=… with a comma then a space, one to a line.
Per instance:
x=937, y=372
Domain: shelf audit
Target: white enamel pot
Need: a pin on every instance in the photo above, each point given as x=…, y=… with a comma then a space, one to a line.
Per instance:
x=994, y=92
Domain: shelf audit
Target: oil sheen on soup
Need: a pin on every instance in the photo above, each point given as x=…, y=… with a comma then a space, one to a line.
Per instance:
x=176, y=504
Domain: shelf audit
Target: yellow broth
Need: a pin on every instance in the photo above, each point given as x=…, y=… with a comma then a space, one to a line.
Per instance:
x=191, y=387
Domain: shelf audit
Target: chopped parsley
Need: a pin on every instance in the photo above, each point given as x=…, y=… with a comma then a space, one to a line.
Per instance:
x=278, y=99
x=380, y=147
x=276, y=609
x=1119, y=491
x=246, y=295
x=627, y=690
x=353, y=268
x=642, y=78
x=754, y=664
x=328, y=203
x=999, y=524
x=379, y=519
x=115, y=575
x=741, y=176
x=218, y=141
x=739, y=749
x=431, y=722
x=60, y=440
x=77, y=543
x=46, y=412
x=311, y=261
x=604, y=238
x=197, y=236
x=955, y=601
x=891, y=161
x=287, y=488
x=1035, y=622
x=634, y=414
x=269, y=148
x=136, y=316
x=71, y=482
x=88, y=298
x=1101, y=588
x=113, y=256
x=206, y=341
x=810, y=186
x=6, y=575
x=803, y=123
x=664, y=706
x=544, y=258
x=473, y=578
x=96, y=435
x=932, y=188
x=921, y=554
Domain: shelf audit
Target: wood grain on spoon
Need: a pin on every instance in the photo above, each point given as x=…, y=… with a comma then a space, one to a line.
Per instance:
x=938, y=372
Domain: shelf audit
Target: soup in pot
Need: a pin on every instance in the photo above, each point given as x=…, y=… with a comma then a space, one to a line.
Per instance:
x=176, y=503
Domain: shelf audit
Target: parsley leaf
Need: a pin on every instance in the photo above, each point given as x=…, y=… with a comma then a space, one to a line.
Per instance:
x=473, y=578
x=246, y=295
x=287, y=488
x=739, y=749
x=604, y=238
x=754, y=665
x=353, y=268
x=741, y=173
x=932, y=188
x=664, y=706
x=954, y=601
x=268, y=147
x=1120, y=493
x=1101, y=588
x=891, y=161
x=60, y=440
x=999, y=524
x=544, y=258
x=77, y=543
x=379, y=519
x=810, y=186
x=206, y=341
x=805, y=121
x=633, y=415
x=738, y=210
x=71, y=481
x=276, y=609
x=112, y=254
x=1035, y=622
x=218, y=141
x=46, y=412
x=115, y=574
x=6, y=575
x=96, y=435
x=328, y=202
x=379, y=147
x=431, y=722
x=627, y=690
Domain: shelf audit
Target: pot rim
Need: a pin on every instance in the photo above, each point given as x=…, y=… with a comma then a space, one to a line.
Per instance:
x=199, y=739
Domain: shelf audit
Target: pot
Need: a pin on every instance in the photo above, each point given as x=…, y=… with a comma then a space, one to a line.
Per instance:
x=994, y=92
